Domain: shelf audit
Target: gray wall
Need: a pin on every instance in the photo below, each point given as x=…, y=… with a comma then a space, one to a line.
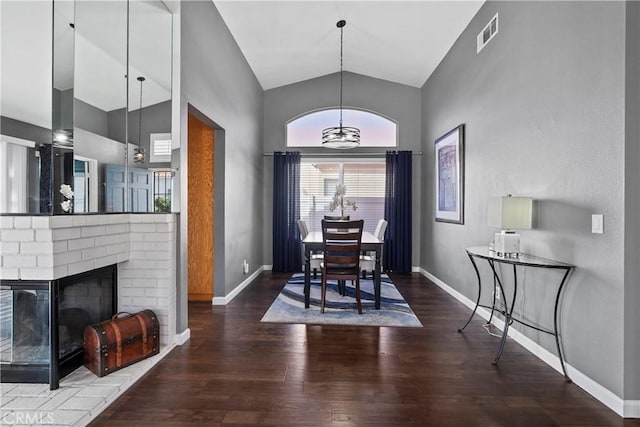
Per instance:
x=20, y=129
x=543, y=106
x=155, y=119
x=398, y=102
x=62, y=110
x=632, y=206
x=216, y=79
x=93, y=119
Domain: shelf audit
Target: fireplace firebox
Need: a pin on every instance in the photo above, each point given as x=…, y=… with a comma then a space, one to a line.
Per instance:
x=42, y=323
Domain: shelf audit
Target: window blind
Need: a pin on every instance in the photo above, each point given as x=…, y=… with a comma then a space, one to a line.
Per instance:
x=365, y=184
x=160, y=147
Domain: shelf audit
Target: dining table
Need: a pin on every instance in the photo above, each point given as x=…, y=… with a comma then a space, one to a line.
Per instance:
x=370, y=243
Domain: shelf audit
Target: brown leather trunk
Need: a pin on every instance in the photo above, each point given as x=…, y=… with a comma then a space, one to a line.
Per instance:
x=121, y=341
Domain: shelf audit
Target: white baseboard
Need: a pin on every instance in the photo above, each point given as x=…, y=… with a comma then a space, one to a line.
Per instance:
x=632, y=408
x=627, y=409
x=267, y=267
x=246, y=282
x=182, y=337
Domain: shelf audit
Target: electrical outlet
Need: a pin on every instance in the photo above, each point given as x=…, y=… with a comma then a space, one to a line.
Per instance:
x=597, y=224
x=496, y=290
x=245, y=267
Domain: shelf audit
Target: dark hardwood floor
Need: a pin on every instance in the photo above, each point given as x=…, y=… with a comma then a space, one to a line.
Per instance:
x=236, y=370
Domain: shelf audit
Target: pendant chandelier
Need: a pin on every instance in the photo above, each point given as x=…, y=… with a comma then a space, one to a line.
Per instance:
x=341, y=137
x=138, y=153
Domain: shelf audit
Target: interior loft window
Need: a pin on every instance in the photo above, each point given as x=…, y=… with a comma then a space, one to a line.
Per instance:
x=365, y=182
x=160, y=147
x=162, y=186
x=375, y=130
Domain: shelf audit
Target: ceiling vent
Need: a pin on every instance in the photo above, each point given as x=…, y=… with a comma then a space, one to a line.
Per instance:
x=487, y=33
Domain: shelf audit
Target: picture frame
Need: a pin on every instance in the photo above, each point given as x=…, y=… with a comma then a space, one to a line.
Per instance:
x=449, y=182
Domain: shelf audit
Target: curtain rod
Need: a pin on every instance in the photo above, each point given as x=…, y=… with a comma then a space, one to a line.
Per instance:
x=338, y=154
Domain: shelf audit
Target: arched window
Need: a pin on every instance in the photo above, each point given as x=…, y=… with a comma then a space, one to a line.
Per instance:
x=375, y=130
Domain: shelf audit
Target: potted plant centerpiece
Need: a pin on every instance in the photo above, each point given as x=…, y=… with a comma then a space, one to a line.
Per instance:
x=339, y=201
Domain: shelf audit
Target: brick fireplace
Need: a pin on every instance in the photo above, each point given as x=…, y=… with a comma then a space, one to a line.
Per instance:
x=42, y=323
x=52, y=249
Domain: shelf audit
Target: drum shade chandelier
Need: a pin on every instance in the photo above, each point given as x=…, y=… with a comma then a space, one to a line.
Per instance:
x=341, y=137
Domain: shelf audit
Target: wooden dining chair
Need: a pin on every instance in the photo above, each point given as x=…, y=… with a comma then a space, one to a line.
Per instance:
x=341, y=246
x=336, y=218
x=368, y=259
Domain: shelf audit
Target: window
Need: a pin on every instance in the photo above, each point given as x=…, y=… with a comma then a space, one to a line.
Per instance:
x=14, y=194
x=375, y=130
x=365, y=183
x=160, y=144
x=80, y=186
x=162, y=183
x=330, y=186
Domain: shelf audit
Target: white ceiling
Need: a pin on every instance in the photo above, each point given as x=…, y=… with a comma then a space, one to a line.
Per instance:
x=25, y=74
x=101, y=53
x=400, y=41
x=92, y=59
x=283, y=41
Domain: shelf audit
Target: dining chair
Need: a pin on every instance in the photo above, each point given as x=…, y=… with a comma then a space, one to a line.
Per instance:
x=341, y=246
x=368, y=259
x=315, y=259
x=336, y=218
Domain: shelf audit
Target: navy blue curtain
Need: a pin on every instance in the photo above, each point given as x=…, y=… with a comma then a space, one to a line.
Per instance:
x=287, y=248
x=397, y=211
x=46, y=178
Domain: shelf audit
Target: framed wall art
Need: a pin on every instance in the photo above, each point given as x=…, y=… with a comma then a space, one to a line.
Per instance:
x=449, y=157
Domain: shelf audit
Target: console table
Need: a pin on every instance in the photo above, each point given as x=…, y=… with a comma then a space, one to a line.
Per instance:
x=492, y=258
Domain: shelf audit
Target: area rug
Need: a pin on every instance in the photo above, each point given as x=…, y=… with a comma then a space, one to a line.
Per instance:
x=288, y=307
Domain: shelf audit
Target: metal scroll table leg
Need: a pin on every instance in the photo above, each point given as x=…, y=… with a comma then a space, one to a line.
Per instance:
x=555, y=326
x=475, y=267
x=508, y=310
x=493, y=302
x=307, y=275
x=376, y=277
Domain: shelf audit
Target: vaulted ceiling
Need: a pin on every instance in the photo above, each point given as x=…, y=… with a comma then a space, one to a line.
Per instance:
x=400, y=41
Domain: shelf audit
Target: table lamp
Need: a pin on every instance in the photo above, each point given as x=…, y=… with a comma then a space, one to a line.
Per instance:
x=509, y=213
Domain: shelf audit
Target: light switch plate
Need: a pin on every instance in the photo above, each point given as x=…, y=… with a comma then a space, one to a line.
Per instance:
x=597, y=224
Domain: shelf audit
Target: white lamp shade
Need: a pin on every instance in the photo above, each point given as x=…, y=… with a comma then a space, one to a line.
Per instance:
x=510, y=213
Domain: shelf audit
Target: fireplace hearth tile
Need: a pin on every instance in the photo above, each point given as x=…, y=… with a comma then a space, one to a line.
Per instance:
x=82, y=403
x=27, y=390
x=7, y=399
x=70, y=418
x=104, y=391
x=81, y=376
x=81, y=396
x=58, y=397
x=7, y=387
x=24, y=403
